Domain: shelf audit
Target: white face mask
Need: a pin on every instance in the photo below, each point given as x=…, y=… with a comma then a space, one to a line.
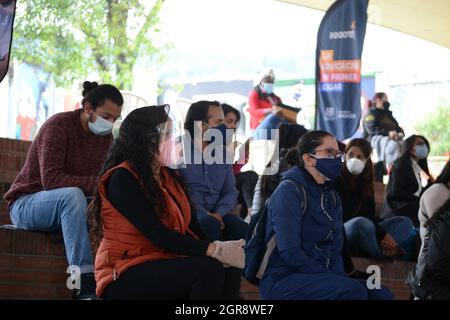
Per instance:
x=355, y=166
x=101, y=126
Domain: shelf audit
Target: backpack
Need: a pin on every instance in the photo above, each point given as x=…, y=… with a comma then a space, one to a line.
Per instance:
x=257, y=251
x=417, y=274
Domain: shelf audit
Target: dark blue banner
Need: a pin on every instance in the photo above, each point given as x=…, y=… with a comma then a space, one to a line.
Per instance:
x=338, y=67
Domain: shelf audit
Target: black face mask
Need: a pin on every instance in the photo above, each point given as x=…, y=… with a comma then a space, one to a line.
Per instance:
x=386, y=105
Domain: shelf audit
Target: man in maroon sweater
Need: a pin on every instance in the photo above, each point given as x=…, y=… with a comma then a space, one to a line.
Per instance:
x=61, y=170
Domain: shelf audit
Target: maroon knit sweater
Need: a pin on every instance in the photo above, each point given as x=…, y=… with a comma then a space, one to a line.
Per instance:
x=62, y=155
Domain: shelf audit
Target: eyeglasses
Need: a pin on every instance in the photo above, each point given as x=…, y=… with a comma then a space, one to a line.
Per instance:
x=332, y=153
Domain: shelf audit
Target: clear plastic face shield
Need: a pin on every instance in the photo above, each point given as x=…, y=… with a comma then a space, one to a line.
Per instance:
x=171, y=144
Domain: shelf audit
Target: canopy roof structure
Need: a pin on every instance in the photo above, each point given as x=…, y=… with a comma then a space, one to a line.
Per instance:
x=428, y=20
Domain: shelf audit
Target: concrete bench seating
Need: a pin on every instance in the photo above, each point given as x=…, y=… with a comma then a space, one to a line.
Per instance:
x=33, y=264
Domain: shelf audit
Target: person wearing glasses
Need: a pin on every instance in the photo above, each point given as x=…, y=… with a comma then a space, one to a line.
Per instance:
x=306, y=263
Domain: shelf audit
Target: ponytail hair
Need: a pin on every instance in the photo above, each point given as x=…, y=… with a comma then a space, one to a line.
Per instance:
x=96, y=94
x=307, y=144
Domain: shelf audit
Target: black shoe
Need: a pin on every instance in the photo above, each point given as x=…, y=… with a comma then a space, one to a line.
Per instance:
x=87, y=288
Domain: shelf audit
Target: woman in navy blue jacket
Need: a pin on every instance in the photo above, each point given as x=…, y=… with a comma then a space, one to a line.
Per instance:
x=306, y=262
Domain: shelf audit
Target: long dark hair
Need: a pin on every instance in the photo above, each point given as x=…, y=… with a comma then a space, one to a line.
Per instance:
x=444, y=176
x=227, y=109
x=138, y=143
x=307, y=144
x=96, y=94
x=408, y=146
x=198, y=111
x=364, y=181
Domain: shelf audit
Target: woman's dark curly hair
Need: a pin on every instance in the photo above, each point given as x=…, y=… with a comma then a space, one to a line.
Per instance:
x=137, y=143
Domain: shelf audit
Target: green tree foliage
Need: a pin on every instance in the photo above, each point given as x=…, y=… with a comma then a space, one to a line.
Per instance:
x=73, y=38
x=435, y=126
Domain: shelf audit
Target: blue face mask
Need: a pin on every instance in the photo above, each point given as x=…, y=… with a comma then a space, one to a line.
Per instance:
x=268, y=88
x=100, y=127
x=421, y=151
x=330, y=168
x=223, y=130
x=297, y=95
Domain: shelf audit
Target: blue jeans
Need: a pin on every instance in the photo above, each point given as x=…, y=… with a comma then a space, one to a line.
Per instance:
x=235, y=227
x=59, y=209
x=361, y=234
x=262, y=131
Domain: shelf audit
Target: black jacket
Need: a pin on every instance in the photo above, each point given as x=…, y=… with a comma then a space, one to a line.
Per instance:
x=354, y=205
x=431, y=277
x=401, y=188
x=402, y=183
x=375, y=124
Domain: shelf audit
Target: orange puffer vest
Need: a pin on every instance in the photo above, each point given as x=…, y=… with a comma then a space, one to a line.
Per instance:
x=124, y=246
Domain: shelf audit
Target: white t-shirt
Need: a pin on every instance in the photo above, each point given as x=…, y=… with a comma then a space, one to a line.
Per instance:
x=432, y=199
x=417, y=169
x=5, y=32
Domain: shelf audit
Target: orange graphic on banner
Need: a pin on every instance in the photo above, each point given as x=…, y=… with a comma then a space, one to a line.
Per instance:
x=338, y=70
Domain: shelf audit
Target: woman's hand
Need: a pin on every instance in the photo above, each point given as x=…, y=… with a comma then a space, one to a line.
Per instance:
x=218, y=217
x=230, y=253
x=278, y=111
x=393, y=134
x=267, y=111
x=211, y=249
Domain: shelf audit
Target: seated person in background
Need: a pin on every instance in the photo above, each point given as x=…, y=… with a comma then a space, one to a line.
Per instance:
x=433, y=198
x=306, y=263
x=264, y=112
x=245, y=181
x=295, y=100
x=430, y=279
x=383, y=132
x=405, y=185
x=61, y=170
x=288, y=136
x=211, y=184
x=367, y=234
x=151, y=245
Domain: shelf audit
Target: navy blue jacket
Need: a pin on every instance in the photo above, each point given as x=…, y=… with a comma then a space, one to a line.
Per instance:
x=309, y=243
x=212, y=187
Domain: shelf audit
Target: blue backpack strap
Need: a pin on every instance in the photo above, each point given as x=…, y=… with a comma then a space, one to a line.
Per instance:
x=300, y=188
x=272, y=243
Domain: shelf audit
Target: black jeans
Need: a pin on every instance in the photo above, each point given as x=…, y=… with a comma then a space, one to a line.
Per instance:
x=245, y=184
x=196, y=278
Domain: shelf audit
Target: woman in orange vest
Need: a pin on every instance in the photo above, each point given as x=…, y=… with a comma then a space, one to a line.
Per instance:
x=150, y=244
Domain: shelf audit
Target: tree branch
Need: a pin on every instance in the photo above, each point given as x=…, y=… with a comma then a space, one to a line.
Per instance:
x=149, y=22
x=95, y=46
